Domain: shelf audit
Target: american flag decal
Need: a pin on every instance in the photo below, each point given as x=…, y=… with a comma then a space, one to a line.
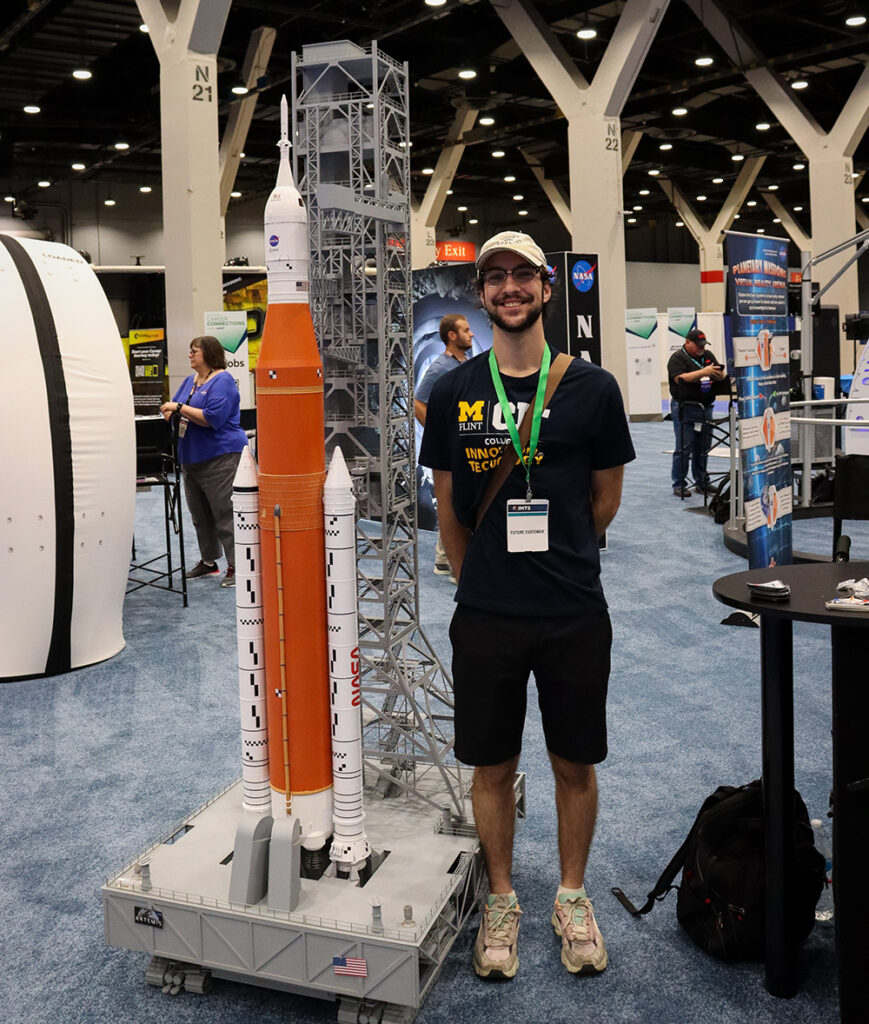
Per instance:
x=355, y=966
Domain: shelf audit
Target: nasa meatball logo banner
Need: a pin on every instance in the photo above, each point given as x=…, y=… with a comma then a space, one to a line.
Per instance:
x=573, y=320
x=758, y=361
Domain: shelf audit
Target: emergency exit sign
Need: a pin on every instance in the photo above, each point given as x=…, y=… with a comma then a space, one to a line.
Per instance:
x=455, y=252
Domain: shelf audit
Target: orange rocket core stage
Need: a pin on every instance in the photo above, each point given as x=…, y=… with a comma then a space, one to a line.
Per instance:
x=291, y=450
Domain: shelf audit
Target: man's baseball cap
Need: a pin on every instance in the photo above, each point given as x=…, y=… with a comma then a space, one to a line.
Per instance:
x=696, y=335
x=512, y=241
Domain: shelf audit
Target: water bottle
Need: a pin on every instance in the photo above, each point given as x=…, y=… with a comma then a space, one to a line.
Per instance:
x=824, y=908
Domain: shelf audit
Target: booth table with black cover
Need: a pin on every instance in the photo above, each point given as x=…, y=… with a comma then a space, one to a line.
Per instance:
x=811, y=586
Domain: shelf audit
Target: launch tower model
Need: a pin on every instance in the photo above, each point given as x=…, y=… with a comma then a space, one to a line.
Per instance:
x=350, y=132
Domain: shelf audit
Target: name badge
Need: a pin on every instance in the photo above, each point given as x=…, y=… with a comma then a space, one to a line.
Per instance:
x=528, y=525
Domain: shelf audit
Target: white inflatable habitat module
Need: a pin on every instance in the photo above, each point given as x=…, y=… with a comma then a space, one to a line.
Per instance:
x=68, y=465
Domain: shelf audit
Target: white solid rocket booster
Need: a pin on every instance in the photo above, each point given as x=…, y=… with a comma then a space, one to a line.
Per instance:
x=256, y=790
x=349, y=843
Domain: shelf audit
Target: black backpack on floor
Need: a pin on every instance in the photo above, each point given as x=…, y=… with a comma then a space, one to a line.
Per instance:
x=721, y=898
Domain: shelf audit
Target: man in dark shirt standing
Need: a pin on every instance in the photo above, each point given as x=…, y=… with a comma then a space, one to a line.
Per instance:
x=528, y=606
x=694, y=376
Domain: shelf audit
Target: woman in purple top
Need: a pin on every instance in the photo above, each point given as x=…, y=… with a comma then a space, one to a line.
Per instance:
x=210, y=442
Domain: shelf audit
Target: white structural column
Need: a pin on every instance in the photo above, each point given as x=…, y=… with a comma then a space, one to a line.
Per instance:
x=256, y=62
x=553, y=191
x=630, y=141
x=709, y=240
x=424, y=218
x=594, y=143
x=186, y=35
x=831, y=170
x=796, y=234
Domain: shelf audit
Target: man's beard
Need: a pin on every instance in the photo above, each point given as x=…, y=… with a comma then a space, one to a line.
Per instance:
x=532, y=315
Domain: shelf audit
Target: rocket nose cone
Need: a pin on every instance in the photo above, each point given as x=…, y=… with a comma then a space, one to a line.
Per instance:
x=246, y=474
x=338, y=477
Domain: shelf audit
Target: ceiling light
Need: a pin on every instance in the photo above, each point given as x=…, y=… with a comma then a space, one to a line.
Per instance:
x=523, y=213
x=701, y=199
x=587, y=33
x=235, y=195
x=435, y=3
x=122, y=145
x=518, y=197
x=241, y=156
x=865, y=199
x=776, y=220
x=718, y=181
x=736, y=216
x=654, y=172
x=679, y=111
x=240, y=90
x=473, y=220
x=855, y=20
x=703, y=62
x=487, y=121
x=751, y=202
x=636, y=207
x=761, y=231
x=8, y=199
x=799, y=167
x=144, y=28
x=509, y=177
x=737, y=157
x=462, y=209
x=449, y=191
x=497, y=153
x=762, y=126
x=78, y=166
x=109, y=202
x=799, y=83
x=644, y=191
x=799, y=209
x=665, y=146
x=44, y=183
x=772, y=188
x=145, y=188
x=680, y=224
x=632, y=220
x=82, y=74
x=32, y=108
x=428, y=170
x=467, y=74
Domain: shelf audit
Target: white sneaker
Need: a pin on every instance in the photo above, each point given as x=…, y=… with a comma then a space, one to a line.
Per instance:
x=582, y=946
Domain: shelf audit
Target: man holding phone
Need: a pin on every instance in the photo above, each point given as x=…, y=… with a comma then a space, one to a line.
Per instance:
x=695, y=376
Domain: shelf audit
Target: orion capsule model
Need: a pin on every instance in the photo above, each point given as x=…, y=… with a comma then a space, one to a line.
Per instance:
x=291, y=452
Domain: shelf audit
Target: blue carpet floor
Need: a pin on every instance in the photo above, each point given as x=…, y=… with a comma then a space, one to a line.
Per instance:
x=97, y=763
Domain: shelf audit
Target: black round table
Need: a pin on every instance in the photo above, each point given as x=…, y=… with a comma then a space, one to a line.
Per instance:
x=811, y=585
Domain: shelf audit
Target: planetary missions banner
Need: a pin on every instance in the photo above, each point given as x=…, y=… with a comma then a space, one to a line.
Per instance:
x=757, y=354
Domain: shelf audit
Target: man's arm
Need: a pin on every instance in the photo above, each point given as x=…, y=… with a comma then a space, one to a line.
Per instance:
x=454, y=536
x=606, y=496
x=419, y=410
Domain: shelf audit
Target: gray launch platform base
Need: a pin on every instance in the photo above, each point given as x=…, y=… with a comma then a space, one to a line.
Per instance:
x=178, y=911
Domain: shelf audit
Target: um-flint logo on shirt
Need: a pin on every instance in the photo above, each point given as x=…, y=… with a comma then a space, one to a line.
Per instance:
x=483, y=416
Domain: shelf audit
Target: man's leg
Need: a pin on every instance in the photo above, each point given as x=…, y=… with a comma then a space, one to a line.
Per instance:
x=576, y=803
x=494, y=806
x=680, y=453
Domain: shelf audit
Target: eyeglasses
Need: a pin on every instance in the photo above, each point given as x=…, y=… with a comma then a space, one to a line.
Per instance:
x=496, y=276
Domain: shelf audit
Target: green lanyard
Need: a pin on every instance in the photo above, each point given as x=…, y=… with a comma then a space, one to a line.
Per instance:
x=536, y=416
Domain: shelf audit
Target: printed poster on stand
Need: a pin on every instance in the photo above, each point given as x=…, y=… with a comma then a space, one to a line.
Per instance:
x=758, y=360
x=855, y=440
x=230, y=329
x=644, y=370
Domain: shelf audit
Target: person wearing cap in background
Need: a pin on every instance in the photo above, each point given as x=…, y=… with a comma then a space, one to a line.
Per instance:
x=529, y=596
x=458, y=339
x=694, y=376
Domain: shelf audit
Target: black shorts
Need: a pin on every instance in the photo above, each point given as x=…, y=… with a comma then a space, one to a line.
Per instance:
x=493, y=657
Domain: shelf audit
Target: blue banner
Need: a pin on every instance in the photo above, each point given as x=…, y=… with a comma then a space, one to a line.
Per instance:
x=758, y=360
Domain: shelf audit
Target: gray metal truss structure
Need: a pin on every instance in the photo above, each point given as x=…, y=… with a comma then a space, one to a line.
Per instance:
x=350, y=135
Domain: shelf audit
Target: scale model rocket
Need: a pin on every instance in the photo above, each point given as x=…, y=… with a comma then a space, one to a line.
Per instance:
x=297, y=728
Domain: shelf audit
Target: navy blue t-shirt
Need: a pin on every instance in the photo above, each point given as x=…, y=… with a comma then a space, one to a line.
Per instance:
x=583, y=429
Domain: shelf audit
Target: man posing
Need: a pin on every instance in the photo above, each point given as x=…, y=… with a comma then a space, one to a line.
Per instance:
x=694, y=375
x=519, y=610
x=456, y=334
